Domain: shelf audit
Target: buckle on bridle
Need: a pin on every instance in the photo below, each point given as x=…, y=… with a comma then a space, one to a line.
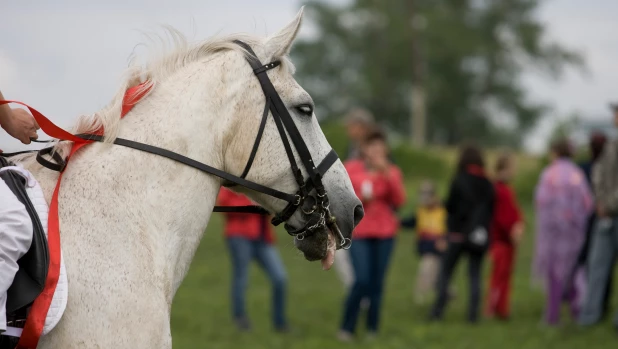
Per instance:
x=298, y=200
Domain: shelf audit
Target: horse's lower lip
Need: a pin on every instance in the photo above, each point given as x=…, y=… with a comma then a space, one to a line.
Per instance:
x=329, y=254
x=313, y=247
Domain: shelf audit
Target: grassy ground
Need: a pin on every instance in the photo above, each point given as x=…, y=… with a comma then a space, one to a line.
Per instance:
x=201, y=311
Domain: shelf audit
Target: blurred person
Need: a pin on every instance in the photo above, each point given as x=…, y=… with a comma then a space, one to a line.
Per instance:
x=358, y=123
x=251, y=237
x=596, y=144
x=470, y=208
x=563, y=203
x=507, y=228
x=430, y=226
x=379, y=184
x=604, y=244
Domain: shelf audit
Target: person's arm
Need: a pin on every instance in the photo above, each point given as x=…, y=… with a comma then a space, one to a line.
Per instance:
x=18, y=123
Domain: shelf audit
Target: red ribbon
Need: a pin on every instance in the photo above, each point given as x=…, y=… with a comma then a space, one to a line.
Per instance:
x=36, y=318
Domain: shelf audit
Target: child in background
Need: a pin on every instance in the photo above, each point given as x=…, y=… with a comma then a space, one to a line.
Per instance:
x=506, y=230
x=430, y=226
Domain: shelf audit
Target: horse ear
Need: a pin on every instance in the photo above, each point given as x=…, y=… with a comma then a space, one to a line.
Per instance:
x=279, y=44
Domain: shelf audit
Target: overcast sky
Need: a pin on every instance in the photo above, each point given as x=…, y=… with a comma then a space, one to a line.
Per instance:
x=65, y=57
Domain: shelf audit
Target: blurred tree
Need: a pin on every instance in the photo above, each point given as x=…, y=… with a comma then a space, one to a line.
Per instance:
x=467, y=55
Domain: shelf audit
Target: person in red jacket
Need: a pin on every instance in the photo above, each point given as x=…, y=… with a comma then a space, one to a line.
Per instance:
x=379, y=185
x=251, y=237
x=506, y=230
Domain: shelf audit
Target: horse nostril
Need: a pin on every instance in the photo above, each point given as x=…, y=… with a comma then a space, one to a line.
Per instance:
x=359, y=213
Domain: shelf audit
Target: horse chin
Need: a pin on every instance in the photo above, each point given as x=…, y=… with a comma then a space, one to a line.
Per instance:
x=319, y=246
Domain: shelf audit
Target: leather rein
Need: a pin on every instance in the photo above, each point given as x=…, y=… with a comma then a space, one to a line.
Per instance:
x=311, y=196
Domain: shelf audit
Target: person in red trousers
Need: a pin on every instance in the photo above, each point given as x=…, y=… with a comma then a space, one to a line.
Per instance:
x=506, y=230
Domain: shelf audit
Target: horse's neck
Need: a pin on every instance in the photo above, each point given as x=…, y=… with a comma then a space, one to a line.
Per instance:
x=116, y=200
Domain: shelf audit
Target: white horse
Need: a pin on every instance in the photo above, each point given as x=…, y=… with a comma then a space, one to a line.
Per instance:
x=131, y=221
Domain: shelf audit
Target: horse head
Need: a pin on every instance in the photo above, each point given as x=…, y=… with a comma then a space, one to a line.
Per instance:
x=271, y=166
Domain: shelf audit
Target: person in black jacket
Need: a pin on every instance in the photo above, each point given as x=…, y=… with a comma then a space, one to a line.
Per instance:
x=469, y=205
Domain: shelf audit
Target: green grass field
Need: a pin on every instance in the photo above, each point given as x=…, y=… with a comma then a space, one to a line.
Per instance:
x=201, y=312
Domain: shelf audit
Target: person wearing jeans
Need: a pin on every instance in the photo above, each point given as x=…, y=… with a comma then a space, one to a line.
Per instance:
x=603, y=253
x=379, y=185
x=598, y=140
x=604, y=245
x=250, y=237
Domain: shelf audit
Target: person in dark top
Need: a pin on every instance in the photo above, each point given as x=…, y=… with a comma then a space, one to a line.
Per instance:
x=597, y=143
x=469, y=205
x=604, y=244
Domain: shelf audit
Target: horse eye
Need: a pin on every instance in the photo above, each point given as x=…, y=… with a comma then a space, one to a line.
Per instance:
x=305, y=109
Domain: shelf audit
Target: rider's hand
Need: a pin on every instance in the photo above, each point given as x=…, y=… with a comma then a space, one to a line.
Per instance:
x=21, y=125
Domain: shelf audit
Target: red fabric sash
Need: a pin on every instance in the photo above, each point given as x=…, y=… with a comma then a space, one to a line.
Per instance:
x=36, y=319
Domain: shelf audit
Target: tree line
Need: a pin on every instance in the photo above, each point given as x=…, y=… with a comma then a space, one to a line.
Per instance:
x=437, y=71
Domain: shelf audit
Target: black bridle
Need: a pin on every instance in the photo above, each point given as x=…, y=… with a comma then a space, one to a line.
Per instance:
x=311, y=196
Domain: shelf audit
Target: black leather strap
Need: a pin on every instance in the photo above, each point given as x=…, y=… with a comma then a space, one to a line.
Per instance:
x=324, y=165
x=242, y=209
x=279, y=108
x=9, y=155
x=59, y=165
x=195, y=164
x=266, y=67
x=298, y=175
x=258, y=139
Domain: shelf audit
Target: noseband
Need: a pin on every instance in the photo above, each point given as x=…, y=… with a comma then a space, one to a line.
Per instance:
x=311, y=196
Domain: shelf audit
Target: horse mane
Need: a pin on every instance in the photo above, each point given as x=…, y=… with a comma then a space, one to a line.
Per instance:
x=175, y=53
